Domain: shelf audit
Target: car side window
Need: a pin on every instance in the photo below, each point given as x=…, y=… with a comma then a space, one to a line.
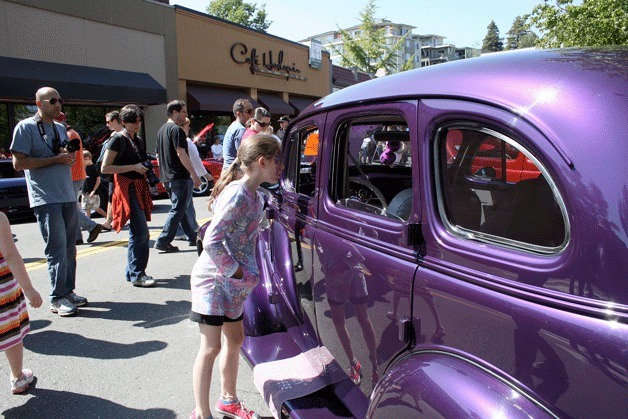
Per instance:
x=373, y=166
x=301, y=171
x=491, y=188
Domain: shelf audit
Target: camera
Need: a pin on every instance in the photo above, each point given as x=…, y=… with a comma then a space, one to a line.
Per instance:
x=70, y=145
x=151, y=177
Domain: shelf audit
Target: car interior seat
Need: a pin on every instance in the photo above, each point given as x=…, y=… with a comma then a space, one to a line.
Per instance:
x=532, y=216
x=464, y=207
x=401, y=204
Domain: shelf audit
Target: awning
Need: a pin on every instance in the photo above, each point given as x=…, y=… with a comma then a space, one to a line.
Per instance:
x=205, y=98
x=20, y=79
x=274, y=104
x=301, y=102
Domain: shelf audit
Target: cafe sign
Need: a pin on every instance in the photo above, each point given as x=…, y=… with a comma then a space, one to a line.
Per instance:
x=266, y=64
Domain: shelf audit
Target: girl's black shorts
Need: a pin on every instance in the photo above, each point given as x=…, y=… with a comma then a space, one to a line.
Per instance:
x=213, y=320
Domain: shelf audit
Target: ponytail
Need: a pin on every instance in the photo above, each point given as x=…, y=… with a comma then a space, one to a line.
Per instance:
x=232, y=173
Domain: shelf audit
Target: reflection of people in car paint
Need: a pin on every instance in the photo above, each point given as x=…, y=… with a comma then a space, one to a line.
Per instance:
x=421, y=290
x=344, y=282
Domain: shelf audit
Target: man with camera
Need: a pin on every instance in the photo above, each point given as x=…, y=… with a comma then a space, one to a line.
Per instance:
x=177, y=174
x=41, y=148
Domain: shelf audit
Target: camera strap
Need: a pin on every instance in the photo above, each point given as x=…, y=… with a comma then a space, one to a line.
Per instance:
x=44, y=136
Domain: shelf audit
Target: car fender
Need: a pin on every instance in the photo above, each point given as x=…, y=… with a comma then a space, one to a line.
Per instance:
x=438, y=383
x=268, y=309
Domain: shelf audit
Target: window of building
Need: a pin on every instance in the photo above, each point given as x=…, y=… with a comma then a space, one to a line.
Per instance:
x=493, y=189
x=5, y=130
x=374, y=166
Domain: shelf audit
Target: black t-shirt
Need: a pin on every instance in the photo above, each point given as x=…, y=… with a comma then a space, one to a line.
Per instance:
x=133, y=153
x=169, y=138
x=92, y=176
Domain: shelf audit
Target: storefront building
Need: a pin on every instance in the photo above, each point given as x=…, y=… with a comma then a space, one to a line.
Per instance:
x=220, y=62
x=98, y=55
x=101, y=56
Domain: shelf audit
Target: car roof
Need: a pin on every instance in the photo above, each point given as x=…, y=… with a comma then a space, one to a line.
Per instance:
x=562, y=91
x=512, y=78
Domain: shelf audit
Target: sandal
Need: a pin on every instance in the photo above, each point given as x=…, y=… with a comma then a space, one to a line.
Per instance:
x=20, y=384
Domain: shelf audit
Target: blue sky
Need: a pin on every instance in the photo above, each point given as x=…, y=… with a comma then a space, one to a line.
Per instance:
x=462, y=22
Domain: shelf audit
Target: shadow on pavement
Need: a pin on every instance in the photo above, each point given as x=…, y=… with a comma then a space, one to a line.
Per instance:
x=72, y=344
x=146, y=315
x=180, y=282
x=62, y=404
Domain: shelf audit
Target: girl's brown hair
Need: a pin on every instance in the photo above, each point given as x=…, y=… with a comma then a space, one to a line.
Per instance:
x=259, y=145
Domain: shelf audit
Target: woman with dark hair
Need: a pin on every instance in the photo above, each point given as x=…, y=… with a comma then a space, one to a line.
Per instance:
x=259, y=123
x=124, y=158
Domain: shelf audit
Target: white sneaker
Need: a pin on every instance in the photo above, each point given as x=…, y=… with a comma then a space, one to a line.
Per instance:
x=64, y=307
x=144, y=281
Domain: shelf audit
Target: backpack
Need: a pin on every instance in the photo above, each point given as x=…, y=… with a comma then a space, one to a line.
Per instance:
x=105, y=145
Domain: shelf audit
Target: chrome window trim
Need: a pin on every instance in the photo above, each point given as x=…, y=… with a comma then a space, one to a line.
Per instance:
x=485, y=237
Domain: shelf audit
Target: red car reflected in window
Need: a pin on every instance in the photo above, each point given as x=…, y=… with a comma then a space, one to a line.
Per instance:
x=492, y=158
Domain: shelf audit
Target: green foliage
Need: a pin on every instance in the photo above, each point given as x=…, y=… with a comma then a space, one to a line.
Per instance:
x=241, y=12
x=408, y=65
x=520, y=35
x=593, y=23
x=492, y=42
x=369, y=51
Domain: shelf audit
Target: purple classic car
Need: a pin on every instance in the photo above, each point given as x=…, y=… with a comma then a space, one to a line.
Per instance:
x=470, y=261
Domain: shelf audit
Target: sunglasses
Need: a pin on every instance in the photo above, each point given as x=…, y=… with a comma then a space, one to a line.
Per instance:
x=249, y=111
x=262, y=124
x=53, y=101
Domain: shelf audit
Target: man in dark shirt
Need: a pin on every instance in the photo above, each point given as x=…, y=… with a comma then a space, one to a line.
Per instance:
x=177, y=174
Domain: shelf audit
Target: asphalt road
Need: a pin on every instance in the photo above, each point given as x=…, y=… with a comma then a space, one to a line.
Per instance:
x=129, y=353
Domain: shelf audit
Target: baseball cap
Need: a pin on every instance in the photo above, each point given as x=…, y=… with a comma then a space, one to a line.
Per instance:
x=284, y=118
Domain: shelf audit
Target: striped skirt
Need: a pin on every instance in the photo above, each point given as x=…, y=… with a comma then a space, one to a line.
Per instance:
x=14, y=323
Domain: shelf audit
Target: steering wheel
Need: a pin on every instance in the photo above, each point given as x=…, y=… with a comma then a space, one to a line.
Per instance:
x=366, y=192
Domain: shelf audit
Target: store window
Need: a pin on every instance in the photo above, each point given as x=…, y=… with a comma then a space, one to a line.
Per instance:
x=201, y=126
x=5, y=131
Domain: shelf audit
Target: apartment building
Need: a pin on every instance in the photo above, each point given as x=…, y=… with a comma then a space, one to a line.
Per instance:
x=423, y=50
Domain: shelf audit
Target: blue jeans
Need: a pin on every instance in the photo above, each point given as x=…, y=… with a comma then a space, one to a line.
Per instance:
x=181, y=197
x=58, y=225
x=137, y=254
x=191, y=213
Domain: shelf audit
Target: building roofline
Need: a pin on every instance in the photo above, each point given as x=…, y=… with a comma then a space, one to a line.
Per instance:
x=237, y=25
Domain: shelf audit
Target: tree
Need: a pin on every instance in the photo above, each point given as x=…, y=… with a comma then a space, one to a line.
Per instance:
x=369, y=51
x=239, y=11
x=492, y=42
x=520, y=35
x=593, y=23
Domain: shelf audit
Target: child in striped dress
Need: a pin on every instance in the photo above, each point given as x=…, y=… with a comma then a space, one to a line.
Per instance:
x=14, y=323
x=226, y=271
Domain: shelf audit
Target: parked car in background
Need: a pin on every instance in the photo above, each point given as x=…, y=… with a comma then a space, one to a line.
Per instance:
x=14, y=193
x=481, y=275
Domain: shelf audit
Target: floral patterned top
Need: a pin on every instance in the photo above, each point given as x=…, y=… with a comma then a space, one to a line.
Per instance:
x=229, y=242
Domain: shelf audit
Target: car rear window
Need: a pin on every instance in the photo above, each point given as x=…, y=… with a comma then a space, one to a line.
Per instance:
x=491, y=188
